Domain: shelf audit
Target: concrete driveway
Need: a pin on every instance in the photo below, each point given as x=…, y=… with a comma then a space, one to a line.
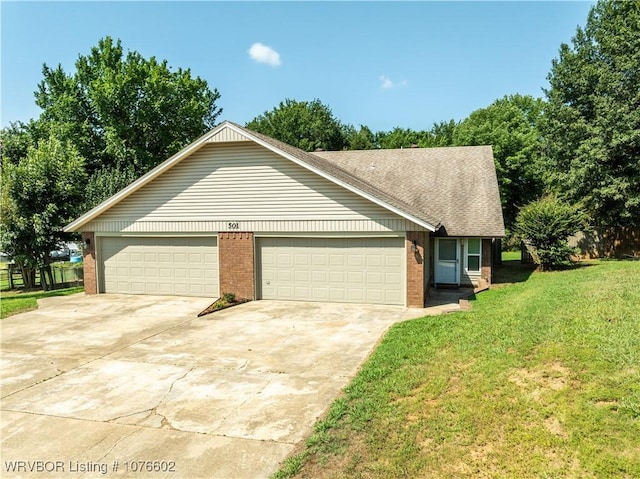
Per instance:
x=138, y=386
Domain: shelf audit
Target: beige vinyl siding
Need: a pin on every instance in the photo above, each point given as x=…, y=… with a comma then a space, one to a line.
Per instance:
x=242, y=182
x=468, y=279
x=227, y=135
x=266, y=226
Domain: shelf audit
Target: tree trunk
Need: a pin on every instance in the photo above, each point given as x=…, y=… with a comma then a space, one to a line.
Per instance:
x=43, y=279
x=52, y=282
x=28, y=276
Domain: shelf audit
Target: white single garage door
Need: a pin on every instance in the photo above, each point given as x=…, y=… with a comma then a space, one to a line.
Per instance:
x=162, y=266
x=344, y=270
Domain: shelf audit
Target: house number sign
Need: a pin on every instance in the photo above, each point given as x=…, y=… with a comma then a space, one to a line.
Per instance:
x=233, y=225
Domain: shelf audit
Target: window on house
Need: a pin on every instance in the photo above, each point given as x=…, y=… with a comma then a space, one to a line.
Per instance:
x=474, y=247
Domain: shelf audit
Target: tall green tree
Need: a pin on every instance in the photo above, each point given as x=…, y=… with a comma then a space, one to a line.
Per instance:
x=307, y=125
x=124, y=112
x=40, y=194
x=399, y=138
x=361, y=139
x=16, y=139
x=440, y=134
x=592, y=118
x=510, y=126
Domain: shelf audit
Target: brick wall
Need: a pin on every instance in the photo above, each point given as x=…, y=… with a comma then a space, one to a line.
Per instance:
x=236, y=262
x=89, y=263
x=487, y=262
x=416, y=262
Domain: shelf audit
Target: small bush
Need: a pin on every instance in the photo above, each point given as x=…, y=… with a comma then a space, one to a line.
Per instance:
x=546, y=225
x=229, y=297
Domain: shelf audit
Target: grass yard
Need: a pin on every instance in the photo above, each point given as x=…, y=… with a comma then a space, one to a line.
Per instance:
x=541, y=379
x=14, y=303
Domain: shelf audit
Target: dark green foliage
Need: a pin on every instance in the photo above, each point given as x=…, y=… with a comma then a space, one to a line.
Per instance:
x=123, y=111
x=16, y=139
x=105, y=183
x=305, y=125
x=40, y=194
x=311, y=126
x=546, y=225
x=441, y=134
x=362, y=139
x=510, y=126
x=229, y=297
x=592, y=127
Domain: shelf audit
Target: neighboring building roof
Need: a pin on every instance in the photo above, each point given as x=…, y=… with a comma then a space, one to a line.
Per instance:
x=457, y=185
x=406, y=182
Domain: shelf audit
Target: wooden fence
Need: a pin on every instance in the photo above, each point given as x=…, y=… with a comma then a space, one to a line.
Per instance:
x=11, y=278
x=607, y=243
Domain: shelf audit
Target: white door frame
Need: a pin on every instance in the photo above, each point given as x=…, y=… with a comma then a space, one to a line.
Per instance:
x=456, y=262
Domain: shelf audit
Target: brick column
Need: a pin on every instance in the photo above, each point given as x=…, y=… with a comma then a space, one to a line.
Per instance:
x=89, y=262
x=236, y=262
x=416, y=262
x=486, y=268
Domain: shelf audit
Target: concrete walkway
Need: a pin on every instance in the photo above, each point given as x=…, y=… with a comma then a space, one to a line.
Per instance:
x=138, y=386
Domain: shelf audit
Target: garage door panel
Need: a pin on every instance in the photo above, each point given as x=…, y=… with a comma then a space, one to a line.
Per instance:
x=180, y=266
x=392, y=262
x=375, y=261
x=357, y=270
x=302, y=276
x=318, y=260
x=355, y=260
x=337, y=277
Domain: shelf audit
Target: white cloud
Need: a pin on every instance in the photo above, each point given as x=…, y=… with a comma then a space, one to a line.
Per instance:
x=264, y=54
x=388, y=84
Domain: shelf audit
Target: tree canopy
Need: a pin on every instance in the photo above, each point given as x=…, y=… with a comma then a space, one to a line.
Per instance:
x=592, y=117
x=440, y=134
x=40, y=194
x=114, y=118
x=123, y=112
x=307, y=125
x=510, y=126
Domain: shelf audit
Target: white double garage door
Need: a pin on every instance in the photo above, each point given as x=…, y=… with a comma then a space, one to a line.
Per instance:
x=349, y=270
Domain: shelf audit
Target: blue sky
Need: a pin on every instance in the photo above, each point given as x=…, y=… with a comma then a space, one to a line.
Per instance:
x=381, y=64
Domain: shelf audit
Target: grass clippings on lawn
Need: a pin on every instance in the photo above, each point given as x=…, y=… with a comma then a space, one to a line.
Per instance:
x=540, y=379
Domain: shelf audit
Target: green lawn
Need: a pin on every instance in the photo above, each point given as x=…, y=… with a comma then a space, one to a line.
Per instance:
x=510, y=255
x=541, y=379
x=14, y=303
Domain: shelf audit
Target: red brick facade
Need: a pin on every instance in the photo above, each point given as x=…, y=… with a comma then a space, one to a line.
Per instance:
x=416, y=263
x=487, y=262
x=89, y=263
x=237, y=268
x=236, y=256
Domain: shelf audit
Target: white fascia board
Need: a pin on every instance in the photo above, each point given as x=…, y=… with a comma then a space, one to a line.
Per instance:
x=143, y=180
x=338, y=182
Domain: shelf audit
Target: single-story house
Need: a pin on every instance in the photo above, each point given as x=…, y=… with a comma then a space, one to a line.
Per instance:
x=239, y=212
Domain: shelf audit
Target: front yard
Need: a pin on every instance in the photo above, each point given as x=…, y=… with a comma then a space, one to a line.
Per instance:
x=20, y=302
x=540, y=379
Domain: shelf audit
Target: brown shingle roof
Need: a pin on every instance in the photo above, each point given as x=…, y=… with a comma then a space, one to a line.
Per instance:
x=455, y=188
x=452, y=187
x=456, y=185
